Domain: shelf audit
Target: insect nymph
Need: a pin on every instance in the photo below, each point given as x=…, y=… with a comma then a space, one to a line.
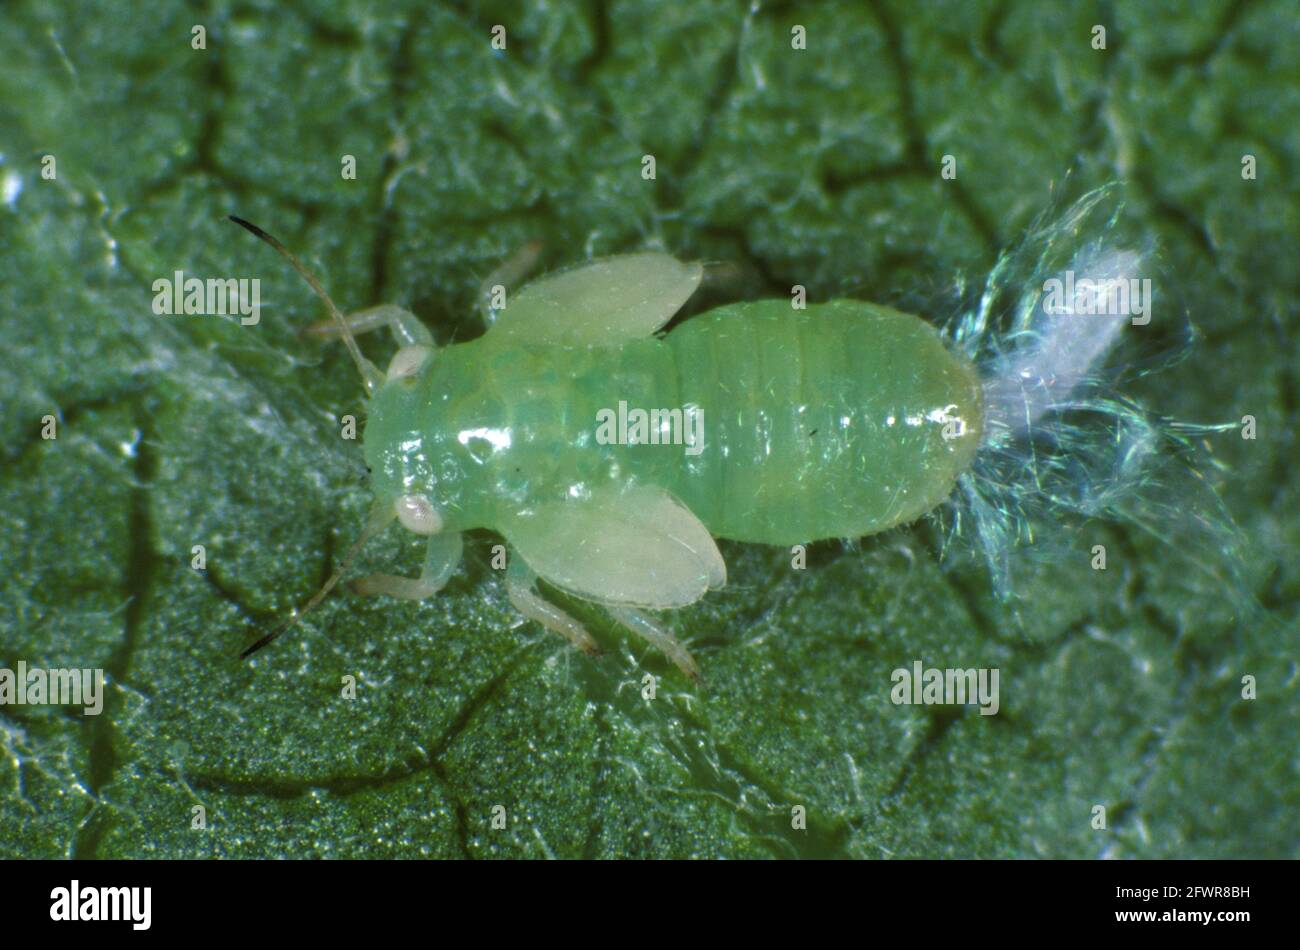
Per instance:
x=839, y=420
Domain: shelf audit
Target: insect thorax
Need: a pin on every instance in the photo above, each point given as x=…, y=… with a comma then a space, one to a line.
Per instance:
x=486, y=426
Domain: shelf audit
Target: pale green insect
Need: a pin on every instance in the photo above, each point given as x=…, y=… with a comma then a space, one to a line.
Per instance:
x=839, y=420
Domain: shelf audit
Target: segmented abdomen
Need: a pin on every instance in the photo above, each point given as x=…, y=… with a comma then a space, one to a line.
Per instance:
x=824, y=422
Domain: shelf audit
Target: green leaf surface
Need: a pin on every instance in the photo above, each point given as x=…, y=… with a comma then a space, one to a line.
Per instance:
x=817, y=167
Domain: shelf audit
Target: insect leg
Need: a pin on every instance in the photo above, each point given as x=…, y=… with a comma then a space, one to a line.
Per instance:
x=510, y=271
x=657, y=636
x=520, y=581
x=406, y=326
x=441, y=558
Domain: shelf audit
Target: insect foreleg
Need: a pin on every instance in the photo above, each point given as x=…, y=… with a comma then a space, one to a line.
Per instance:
x=520, y=581
x=406, y=326
x=658, y=637
x=441, y=558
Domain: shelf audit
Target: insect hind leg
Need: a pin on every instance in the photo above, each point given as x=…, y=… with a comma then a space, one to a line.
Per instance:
x=657, y=636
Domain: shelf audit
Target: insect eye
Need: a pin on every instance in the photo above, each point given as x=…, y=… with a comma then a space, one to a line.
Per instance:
x=417, y=514
x=408, y=360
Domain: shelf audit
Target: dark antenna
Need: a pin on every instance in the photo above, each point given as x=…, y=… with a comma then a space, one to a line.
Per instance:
x=371, y=378
x=379, y=519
